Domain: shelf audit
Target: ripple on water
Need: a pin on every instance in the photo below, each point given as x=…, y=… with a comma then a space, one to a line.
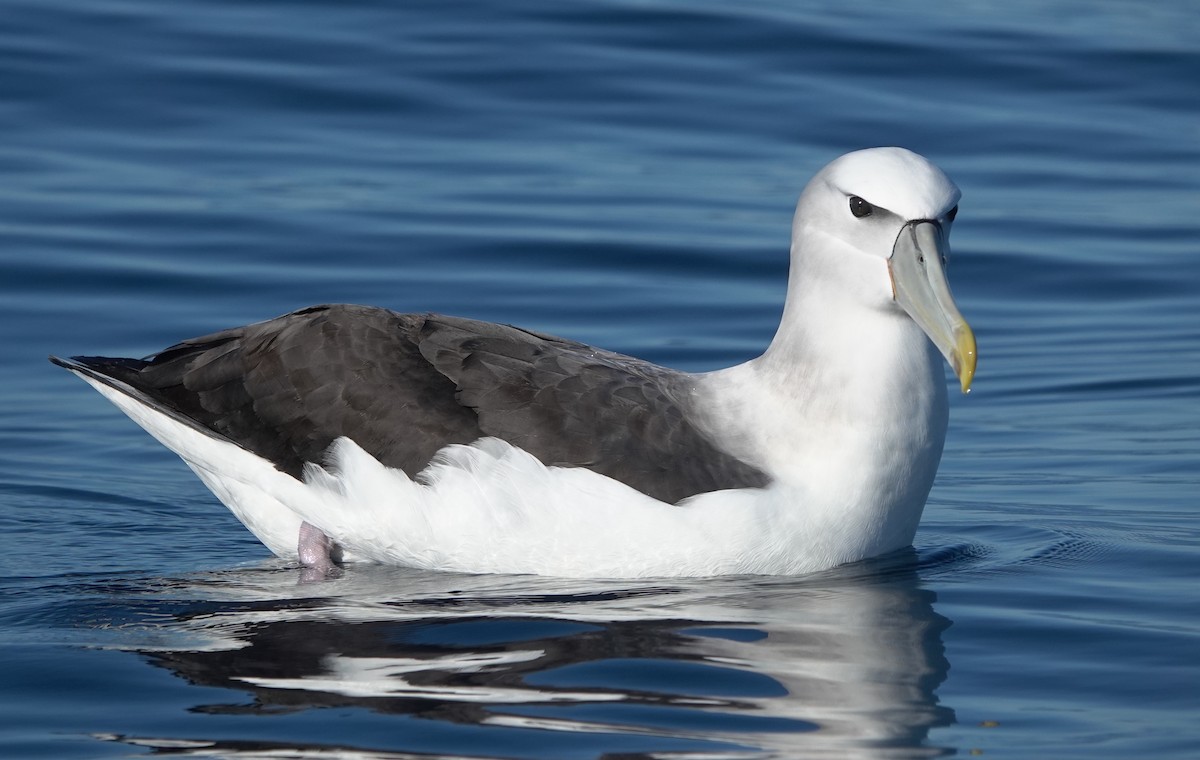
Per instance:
x=1005, y=548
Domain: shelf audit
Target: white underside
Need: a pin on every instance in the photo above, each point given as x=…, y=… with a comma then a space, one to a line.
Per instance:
x=493, y=508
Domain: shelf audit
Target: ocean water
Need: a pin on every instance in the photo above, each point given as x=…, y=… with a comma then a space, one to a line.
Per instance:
x=623, y=173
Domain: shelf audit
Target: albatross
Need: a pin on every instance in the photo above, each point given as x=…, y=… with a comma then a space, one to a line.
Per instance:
x=345, y=433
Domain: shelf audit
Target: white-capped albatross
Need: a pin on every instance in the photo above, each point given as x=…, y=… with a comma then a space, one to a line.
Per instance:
x=339, y=433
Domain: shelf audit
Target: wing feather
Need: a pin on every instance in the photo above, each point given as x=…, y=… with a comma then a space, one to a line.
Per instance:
x=403, y=386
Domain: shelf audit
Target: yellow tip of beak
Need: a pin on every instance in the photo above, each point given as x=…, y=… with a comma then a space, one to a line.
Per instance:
x=964, y=356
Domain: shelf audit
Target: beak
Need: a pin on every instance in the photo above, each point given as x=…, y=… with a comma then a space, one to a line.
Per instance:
x=920, y=287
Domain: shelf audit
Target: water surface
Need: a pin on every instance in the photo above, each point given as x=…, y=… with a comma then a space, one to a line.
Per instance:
x=622, y=173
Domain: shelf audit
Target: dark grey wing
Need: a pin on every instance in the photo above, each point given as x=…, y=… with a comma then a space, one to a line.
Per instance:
x=402, y=386
x=286, y=388
x=571, y=404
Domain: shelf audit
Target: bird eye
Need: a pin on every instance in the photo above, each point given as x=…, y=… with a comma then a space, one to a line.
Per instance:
x=953, y=213
x=859, y=207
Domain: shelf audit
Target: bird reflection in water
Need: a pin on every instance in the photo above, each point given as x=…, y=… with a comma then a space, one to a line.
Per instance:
x=844, y=663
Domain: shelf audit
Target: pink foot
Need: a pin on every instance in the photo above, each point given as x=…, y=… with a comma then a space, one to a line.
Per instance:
x=315, y=551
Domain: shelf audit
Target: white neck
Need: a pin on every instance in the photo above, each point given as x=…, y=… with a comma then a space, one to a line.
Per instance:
x=842, y=384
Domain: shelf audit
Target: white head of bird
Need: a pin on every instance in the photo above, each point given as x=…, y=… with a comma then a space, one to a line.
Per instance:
x=871, y=232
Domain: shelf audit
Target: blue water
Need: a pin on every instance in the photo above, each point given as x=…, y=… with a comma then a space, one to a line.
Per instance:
x=622, y=173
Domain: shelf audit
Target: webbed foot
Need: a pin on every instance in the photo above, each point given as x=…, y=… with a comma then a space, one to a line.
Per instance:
x=316, y=552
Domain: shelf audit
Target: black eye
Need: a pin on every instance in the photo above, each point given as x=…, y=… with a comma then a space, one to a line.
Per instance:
x=859, y=207
x=953, y=213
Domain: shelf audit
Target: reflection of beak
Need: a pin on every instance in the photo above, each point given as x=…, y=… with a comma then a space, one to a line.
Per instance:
x=920, y=286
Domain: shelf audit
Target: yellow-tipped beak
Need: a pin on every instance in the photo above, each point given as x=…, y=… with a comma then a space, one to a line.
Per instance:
x=921, y=288
x=962, y=357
